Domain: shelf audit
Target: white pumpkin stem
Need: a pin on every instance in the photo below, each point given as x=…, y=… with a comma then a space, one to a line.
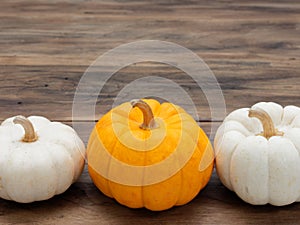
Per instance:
x=30, y=135
x=269, y=129
x=149, y=122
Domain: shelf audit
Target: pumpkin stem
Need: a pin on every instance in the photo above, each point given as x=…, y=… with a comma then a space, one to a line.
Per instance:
x=269, y=129
x=149, y=122
x=30, y=135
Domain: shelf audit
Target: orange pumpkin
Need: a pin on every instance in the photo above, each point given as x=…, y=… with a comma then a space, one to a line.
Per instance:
x=147, y=154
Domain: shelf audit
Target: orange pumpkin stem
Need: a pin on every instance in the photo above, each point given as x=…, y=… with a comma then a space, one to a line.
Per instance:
x=30, y=135
x=149, y=122
x=269, y=129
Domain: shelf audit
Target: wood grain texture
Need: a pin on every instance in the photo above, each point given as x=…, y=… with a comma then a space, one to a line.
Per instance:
x=84, y=204
x=252, y=47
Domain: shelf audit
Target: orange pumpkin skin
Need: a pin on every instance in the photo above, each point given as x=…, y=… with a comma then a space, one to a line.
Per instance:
x=122, y=156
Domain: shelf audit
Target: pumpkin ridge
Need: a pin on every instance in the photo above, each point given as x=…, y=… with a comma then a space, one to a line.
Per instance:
x=56, y=190
x=250, y=131
x=202, y=181
x=241, y=116
x=210, y=167
x=170, y=137
x=233, y=151
x=178, y=131
x=56, y=173
x=180, y=195
x=268, y=185
x=166, y=113
x=143, y=181
x=109, y=165
x=93, y=143
x=293, y=121
x=4, y=188
x=204, y=175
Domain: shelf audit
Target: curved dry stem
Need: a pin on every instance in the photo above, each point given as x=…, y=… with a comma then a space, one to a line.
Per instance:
x=30, y=135
x=269, y=129
x=149, y=122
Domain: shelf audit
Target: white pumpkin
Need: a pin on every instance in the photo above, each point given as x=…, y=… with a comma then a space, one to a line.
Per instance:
x=38, y=158
x=257, y=153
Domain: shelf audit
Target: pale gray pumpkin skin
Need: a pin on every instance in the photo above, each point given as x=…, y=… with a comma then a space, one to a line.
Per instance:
x=260, y=170
x=38, y=170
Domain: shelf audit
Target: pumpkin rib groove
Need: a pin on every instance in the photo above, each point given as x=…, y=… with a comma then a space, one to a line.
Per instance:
x=178, y=175
x=187, y=192
x=179, y=196
x=202, y=182
x=208, y=147
x=92, y=144
x=108, y=169
x=143, y=177
x=249, y=129
x=3, y=178
x=112, y=185
x=156, y=107
x=55, y=190
x=233, y=151
x=269, y=196
x=179, y=116
x=56, y=176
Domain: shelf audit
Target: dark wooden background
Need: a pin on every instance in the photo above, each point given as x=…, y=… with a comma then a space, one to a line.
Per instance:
x=252, y=47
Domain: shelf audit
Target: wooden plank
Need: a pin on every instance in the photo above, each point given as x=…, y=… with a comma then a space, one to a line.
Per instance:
x=50, y=91
x=260, y=65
